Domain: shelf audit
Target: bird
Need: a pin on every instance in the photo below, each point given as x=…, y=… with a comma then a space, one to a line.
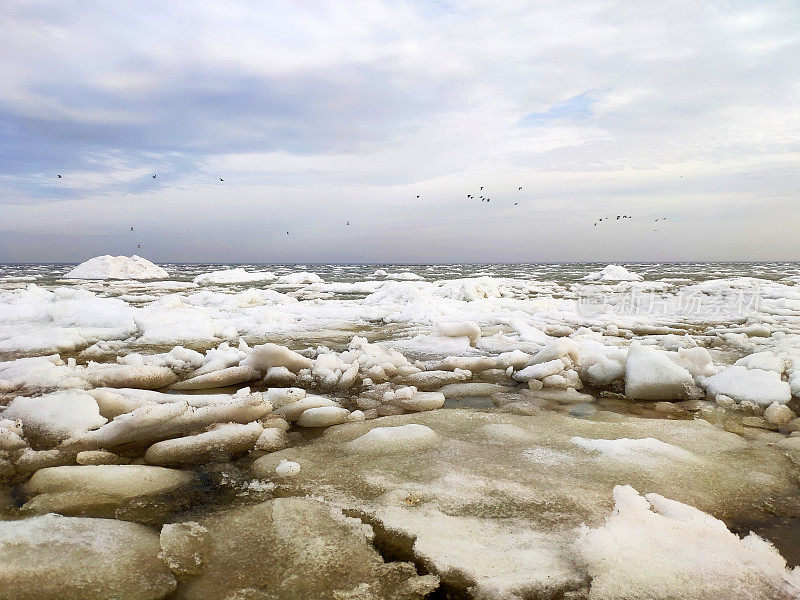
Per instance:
x=138, y=245
x=154, y=176
x=595, y=224
x=60, y=177
x=515, y=203
x=131, y=228
x=221, y=179
x=417, y=195
x=520, y=187
x=617, y=217
x=481, y=188
x=348, y=222
x=287, y=233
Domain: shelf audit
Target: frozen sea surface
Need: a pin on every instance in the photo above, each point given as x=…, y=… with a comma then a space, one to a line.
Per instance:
x=401, y=431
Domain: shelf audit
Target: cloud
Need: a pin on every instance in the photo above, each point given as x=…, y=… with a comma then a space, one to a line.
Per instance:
x=321, y=111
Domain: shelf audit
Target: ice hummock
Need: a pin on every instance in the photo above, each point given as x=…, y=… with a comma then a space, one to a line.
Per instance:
x=117, y=267
x=613, y=273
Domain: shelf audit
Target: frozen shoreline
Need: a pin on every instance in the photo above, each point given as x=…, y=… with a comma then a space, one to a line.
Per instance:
x=638, y=378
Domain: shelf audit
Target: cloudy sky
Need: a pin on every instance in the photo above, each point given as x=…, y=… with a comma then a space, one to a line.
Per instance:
x=319, y=112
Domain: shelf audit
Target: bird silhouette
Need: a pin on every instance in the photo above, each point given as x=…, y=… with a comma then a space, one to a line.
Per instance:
x=520, y=187
x=138, y=245
x=515, y=203
x=348, y=222
x=287, y=233
x=154, y=175
x=60, y=177
x=481, y=188
x=417, y=195
x=131, y=228
x=221, y=179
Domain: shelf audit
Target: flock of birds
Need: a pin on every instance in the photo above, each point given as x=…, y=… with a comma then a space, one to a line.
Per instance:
x=482, y=198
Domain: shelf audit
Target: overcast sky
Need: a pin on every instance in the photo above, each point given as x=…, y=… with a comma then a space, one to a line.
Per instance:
x=315, y=113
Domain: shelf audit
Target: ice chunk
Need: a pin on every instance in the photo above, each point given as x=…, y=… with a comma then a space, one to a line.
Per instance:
x=117, y=480
x=148, y=377
x=323, y=416
x=117, y=267
x=237, y=275
x=287, y=468
x=184, y=547
x=272, y=439
x=38, y=373
x=560, y=348
x=613, y=273
x=697, y=361
x=689, y=555
x=651, y=375
x=70, y=558
x=404, y=438
x=155, y=422
x=779, y=414
x=300, y=278
x=540, y=370
x=749, y=385
x=315, y=552
x=219, y=444
x=55, y=417
x=765, y=361
x=293, y=410
x=469, y=329
x=266, y=356
x=421, y=401
x=221, y=378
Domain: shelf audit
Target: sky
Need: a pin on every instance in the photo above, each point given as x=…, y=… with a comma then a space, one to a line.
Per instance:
x=387, y=114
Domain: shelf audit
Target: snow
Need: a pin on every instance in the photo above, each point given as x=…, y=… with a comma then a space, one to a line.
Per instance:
x=468, y=329
x=117, y=267
x=237, y=275
x=749, y=385
x=300, y=278
x=613, y=273
x=656, y=548
x=625, y=449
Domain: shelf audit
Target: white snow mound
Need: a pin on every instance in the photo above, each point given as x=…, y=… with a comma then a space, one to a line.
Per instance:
x=117, y=267
x=613, y=273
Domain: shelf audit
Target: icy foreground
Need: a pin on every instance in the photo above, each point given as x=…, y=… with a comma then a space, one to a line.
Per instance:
x=396, y=433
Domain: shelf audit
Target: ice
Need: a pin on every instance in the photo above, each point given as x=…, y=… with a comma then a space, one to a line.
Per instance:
x=300, y=278
x=766, y=361
x=650, y=374
x=468, y=329
x=625, y=449
x=38, y=373
x=222, y=378
x=272, y=439
x=125, y=376
x=287, y=468
x=117, y=267
x=540, y=370
x=267, y=356
x=323, y=416
x=293, y=410
x=613, y=273
x=11, y=435
x=218, y=444
x=403, y=276
x=314, y=552
x=155, y=422
x=51, y=557
x=55, y=417
x=697, y=361
x=237, y=275
x=77, y=488
x=749, y=385
x=779, y=414
x=656, y=548
x=403, y=438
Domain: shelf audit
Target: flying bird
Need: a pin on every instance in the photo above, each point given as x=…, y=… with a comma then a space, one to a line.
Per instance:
x=154, y=175
x=138, y=245
x=520, y=187
x=417, y=195
x=481, y=188
x=348, y=222
x=59, y=177
x=221, y=179
x=515, y=203
x=131, y=228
